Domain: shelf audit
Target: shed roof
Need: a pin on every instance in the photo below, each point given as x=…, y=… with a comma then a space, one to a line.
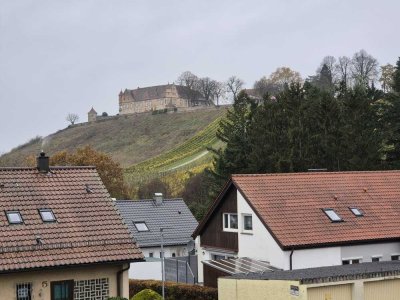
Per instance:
x=172, y=214
x=88, y=228
x=324, y=274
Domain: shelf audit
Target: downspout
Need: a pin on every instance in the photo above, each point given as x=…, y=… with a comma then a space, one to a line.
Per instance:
x=291, y=259
x=119, y=280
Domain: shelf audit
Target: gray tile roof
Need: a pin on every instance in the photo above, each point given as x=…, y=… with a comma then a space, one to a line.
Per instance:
x=172, y=214
x=325, y=274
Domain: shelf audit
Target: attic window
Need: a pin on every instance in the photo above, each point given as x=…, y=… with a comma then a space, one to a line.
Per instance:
x=14, y=217
x=357, y=212
x=47, y=215
x=332, y=215
x=141, y=226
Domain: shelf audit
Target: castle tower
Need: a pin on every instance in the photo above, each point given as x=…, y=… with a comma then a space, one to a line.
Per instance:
x=92, y=115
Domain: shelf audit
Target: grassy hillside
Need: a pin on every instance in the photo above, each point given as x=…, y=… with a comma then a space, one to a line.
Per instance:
x=133, y=139
x=184, y=157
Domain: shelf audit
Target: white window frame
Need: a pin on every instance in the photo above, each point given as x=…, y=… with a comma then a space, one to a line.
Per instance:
x=394, y=254
x=229, y=229
x=243, y=223
x=379, y=257
x=351, y=259
x=141, y=223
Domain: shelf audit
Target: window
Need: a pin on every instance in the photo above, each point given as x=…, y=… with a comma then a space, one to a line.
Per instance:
x=24, y=291
x=376, y=258
x=141, y=226
x=395, y=257
x=247, y=223
x=357, y=212
x=217, y=256
x=161, y=255
x=230, y=222
x=351, y=261
x=62, y=290
x=151, y=254
x=14, y=217
x=173, y=255
x=47, y=215
x=332, y=215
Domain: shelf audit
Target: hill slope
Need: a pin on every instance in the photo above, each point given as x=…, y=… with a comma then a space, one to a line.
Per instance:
x=185, y=156
x=128, y=139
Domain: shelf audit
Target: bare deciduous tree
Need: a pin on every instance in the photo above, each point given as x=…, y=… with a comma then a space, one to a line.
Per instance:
x=364, y=68
x=207, y=88
x=220, y=90
x=72, y=118
x=234, y=85
x=343, y=70
x=191, y=81
x=188, y=79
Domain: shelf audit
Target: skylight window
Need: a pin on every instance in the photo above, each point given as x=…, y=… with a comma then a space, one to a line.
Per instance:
x=47, y=215
x=332, y=215
x=141, y=226
x=357, y=212
x=14, y=217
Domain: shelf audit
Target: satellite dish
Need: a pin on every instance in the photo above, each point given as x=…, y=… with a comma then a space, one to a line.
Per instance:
x=190, y=246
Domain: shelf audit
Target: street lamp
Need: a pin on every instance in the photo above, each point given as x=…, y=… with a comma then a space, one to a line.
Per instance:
x=162, y=262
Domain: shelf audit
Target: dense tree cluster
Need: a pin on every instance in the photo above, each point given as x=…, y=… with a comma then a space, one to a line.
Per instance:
x=323, y=123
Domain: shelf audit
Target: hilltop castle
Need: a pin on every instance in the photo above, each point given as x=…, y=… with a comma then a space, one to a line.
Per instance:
x=158, y=97
x=169, y=96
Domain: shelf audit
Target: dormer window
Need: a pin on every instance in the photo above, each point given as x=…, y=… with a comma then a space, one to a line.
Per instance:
x=141, y=226
x=14, y=217
x=332, y=215
x=47, y=215
x=356, y=211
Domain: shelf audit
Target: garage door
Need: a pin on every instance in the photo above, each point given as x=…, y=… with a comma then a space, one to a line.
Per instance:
x=335, y=292
x=382, y=289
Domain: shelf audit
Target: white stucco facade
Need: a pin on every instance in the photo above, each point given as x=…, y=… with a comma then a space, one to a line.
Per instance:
x=259, y=244
x=169, y=251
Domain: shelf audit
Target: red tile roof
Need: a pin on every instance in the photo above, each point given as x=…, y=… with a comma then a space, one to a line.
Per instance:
x=88, y=228
x=290, y=206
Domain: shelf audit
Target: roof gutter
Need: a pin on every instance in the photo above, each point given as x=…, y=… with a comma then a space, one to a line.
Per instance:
x=119, y=273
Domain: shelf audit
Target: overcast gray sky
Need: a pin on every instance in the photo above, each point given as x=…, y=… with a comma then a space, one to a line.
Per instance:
x=60, y=56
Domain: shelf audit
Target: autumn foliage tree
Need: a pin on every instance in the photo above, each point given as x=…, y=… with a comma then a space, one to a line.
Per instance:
x=110, y=171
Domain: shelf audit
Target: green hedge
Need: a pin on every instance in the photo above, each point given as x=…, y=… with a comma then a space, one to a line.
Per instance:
x=174, y=291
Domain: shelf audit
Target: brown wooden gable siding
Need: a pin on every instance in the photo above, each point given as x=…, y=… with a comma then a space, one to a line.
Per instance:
x=211, y=276
x=213, y=234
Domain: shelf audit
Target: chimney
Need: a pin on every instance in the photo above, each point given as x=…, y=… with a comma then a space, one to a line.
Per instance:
x=158, y=198
x=43, y=163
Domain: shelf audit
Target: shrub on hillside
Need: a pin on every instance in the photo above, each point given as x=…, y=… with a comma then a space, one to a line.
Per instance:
x=174, y=291
x=147, y=294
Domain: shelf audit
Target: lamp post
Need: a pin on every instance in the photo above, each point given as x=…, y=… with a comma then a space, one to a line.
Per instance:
x=162, y=262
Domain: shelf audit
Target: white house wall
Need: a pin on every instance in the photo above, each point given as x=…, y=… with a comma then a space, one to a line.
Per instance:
x=260, y=244
x=168, y=250
x=365, y=252
x=318, y=257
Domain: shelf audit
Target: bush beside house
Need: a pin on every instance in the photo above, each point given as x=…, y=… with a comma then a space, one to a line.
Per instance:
x=174, y=291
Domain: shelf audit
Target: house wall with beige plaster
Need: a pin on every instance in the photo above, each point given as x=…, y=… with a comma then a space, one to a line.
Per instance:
x=40, y=280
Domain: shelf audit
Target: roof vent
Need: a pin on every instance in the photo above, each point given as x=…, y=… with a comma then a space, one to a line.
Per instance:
x=39, y=240
x=88, y=189
x=43, y=163
x=158, y=198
